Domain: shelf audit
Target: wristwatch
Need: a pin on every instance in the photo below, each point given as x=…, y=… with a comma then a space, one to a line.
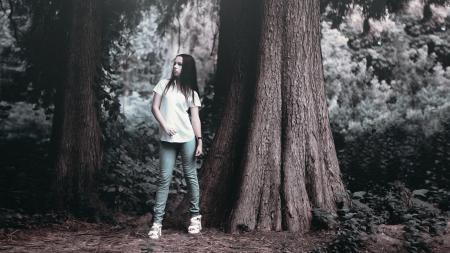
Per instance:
x=198, y=138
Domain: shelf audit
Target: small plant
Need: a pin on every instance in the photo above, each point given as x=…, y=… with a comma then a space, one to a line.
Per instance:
x=392, y=204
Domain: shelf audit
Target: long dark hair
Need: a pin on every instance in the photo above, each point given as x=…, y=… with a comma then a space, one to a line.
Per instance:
x=188, y=77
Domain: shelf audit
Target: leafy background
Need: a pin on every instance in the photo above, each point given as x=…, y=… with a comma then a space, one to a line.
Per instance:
x=388, y=93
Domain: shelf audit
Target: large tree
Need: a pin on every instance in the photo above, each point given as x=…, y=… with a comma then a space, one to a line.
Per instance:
x=273, y=157
x=68, y=52
x=76, y=129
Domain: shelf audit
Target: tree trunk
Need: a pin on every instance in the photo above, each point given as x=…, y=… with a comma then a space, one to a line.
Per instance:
x=427, y=12
x=269, y=174
x=309, y=155
x=366, y=26
x=237, y=55
x=235, y=35
x=259, y=201
x=77, y=134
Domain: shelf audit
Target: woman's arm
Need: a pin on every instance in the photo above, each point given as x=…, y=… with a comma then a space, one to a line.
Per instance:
x=196, y=125
x=157, y=113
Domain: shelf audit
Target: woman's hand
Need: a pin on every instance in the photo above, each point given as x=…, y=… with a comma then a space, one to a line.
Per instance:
x=199, y=149
x=170, y=131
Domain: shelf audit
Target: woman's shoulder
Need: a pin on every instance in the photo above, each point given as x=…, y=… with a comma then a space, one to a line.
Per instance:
x=163, y=81
x=161, y=85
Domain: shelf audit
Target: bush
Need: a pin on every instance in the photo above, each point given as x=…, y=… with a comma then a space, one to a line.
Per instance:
x=399, y=80
x=388, y=204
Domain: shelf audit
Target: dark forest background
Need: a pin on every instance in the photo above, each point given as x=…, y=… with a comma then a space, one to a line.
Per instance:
x=387, y=75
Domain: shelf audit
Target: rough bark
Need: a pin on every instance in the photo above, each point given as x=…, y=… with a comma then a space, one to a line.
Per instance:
x=77, y=132
x=259, y=204
x=273, y=157
x=219, y=181
x=309, y=157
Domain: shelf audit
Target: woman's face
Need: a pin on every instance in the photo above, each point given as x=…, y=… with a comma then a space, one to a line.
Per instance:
x=177, y=65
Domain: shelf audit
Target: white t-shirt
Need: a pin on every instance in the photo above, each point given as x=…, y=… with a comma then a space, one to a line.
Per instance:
x=174, y=109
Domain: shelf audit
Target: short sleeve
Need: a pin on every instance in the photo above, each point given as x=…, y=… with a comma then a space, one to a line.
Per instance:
x=197, y=102
x=160, y=86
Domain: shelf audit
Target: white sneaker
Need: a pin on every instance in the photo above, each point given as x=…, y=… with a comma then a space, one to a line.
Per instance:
x=155, y=231
x=196, y=225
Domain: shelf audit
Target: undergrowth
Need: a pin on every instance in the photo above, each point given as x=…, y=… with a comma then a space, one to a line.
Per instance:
x=393, y=204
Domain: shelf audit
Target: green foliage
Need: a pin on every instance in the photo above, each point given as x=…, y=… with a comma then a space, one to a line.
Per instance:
x=388, y=102
x=322, y=219
x=169, y=10
x=12, y=63
x=377, y=157
x=336, y=11
x=388, y=78
x=209, y=118
x=388, y=204
x=24, y=120
x=129, y=171
x=146, y=55
x=36, y=60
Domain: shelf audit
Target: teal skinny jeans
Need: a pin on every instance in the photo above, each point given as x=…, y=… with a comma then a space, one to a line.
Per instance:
x=167, y=155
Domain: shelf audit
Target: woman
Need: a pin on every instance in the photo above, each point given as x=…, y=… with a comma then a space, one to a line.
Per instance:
x=172, y=99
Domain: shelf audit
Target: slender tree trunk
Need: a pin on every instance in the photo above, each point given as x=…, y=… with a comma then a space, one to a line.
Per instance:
x=427, y=12
x=78, y=134
x=366, y=26
x=269, y=174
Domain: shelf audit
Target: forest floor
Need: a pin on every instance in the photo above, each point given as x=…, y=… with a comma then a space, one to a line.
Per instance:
x=79, y=236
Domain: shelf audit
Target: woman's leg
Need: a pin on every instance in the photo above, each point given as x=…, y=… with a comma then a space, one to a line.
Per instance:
x=190, y=174
x=167, y=156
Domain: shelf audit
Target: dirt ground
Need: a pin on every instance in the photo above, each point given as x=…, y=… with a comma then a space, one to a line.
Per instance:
x=131, y=236
x=77, y=236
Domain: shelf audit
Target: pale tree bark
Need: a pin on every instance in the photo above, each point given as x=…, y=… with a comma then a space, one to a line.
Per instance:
x=273, y=158
x=77, y=134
